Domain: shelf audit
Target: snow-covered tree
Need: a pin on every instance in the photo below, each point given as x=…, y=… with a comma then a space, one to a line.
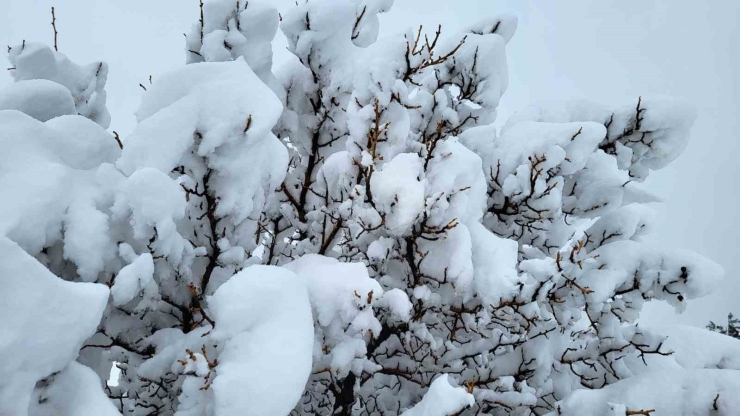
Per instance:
x=395, y=163
x=349, y=234
x=732, y=329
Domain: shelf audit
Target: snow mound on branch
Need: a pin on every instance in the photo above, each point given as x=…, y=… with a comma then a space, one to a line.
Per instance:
x=629, y=222
x=365, y=32
x=39, y=98
x=38, y=200
x=343, y=297
x=48, y=320
x=86, y=83
x=456, y=185
x=400, y=191
x=132, y=279
x=151, y=199
x=48, y=168
x=226, y=113
x=669, y=393
x=398, y=303
x=75, y=391
x=503, y=25
x=80, y=143
x=693, y=348
x=441, y=399
x=562, y=143
x=495, y=264
x=263, y=318
x=648, y=141
x=217, y=99
x=337, y=290
x=233, y=30
x=681, y=273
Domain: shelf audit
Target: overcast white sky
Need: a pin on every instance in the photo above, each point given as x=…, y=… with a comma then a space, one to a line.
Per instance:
x=609, y=51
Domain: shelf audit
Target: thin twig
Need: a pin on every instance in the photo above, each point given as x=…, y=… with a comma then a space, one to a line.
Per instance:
x=118, y=139
x=54, y=25
x=639, y=412
x=201, y=22
x=355, y=34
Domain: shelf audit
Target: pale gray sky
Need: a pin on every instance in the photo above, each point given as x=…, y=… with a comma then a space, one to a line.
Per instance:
x=609, y=51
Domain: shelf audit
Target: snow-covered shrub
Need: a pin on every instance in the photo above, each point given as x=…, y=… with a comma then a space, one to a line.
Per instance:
x=347, y=235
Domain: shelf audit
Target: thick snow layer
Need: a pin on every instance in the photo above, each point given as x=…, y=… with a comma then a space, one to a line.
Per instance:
x=170, y=344
x=38, y=201
x=39, y=98
x=80, y=143
x=667, y=393
x=48, y=169
x=222, y=114
x=556, y=141
x=75, y=391
x=177, y=84
x=264, y=321
x=442, y=399
x=46, y=322
x=217, y=100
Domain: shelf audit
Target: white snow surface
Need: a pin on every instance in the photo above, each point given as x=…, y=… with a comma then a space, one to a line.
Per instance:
x=264, y=321
x=39, y=98
x=215, y=99
x=400, y=190
x=48, y=320
x=224, y=114
x=666, y=120
x=667, y=393
x=47, y=166
x=75, y=391
x=132, y=279
x=693, y=348
x=337, y=290
x=343, y=298
x=495, y=264
x=234, y=30
x=442, y=399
